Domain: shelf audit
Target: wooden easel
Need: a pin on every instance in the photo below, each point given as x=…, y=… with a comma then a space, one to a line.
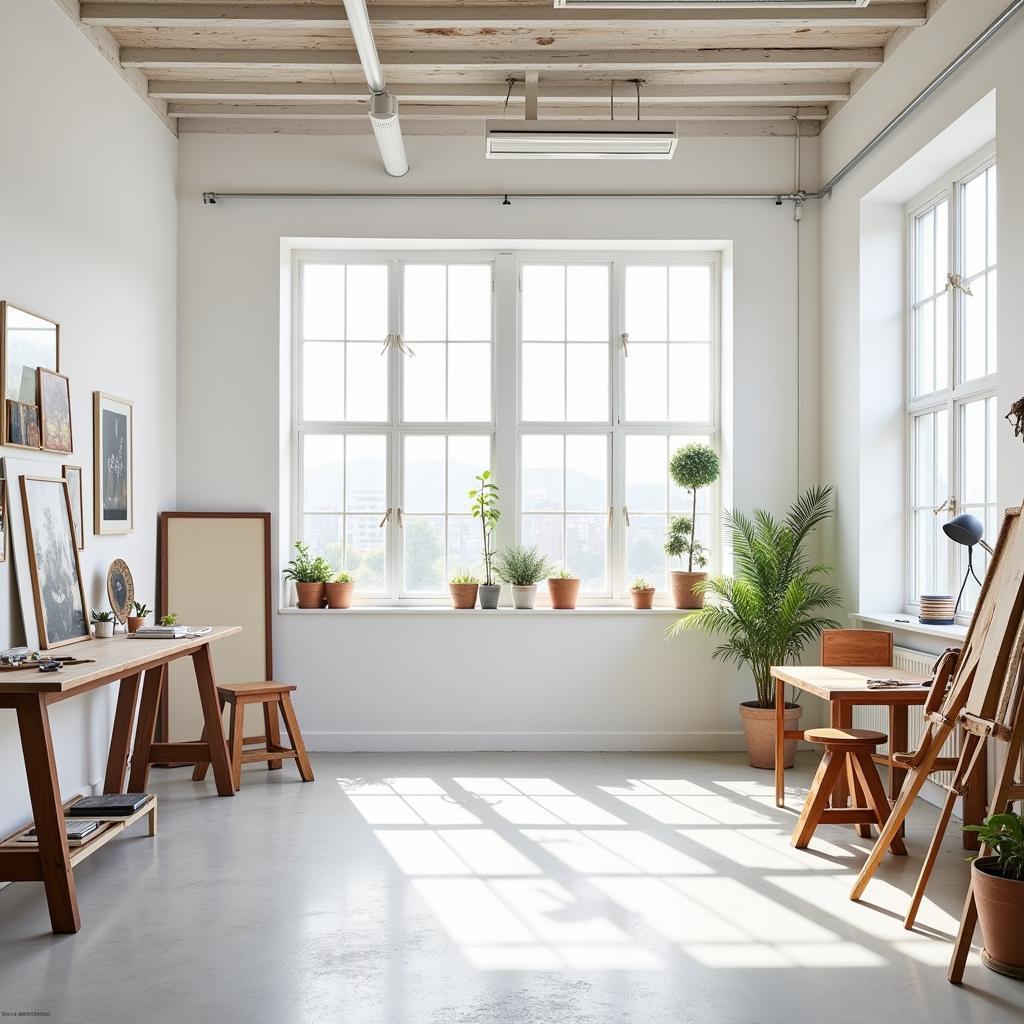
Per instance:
x=991, y=656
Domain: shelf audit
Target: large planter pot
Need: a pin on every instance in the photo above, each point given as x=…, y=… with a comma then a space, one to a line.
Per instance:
x=310, y=595
x=339, y=595
x=135, y=623
x=643, y=598
x=490, y=593
x=1000, y=912
x=463, y=594
x=523, y=597
x=683, y=594
x=563, y=592
x=759, y=728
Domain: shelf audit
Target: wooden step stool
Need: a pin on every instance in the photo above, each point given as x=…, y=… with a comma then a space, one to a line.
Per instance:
x=273, y=697
x=847, y=758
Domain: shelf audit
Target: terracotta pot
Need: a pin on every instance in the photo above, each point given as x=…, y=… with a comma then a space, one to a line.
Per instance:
x=563, y=592
x=683, y=594
x=463, y=594
x=643, y=598
x=135, y=623
x=1000, y=912
x=524, y=597
x=310, y=595
x=339, y=595
x=759, y=727
x=490, y=593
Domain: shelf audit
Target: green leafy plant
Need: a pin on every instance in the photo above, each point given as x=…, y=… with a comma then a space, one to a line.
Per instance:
x=485, y=508
x=692, y=467
x=141, y=611
x=641, y=584
x=562, y=574
x=772, y=608
x=681, y=543
x=170, y=619
x=520, y=566
x=342, y=577
x=463, y=577
x=1003, y=835
x=303, y=568
x=102, y=616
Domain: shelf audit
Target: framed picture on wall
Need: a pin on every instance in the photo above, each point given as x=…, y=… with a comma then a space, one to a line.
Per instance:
x=62, y=611
x=22, y=424
x=54, y=412
x=73, y=475
x=27, y=342
x=113, y=471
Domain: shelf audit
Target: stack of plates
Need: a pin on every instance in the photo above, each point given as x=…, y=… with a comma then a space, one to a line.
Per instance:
x=937, y=609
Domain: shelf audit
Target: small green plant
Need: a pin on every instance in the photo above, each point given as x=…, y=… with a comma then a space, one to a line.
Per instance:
x=485, y=508
x=342, y=577
x=170, y=619
x=562, y=574
x=303, y=568
x=102, y=616
x=463, y=577
x=691, y=467
x=641, y=584
x=1003, y=835
x=520, y=566
x=141, y=611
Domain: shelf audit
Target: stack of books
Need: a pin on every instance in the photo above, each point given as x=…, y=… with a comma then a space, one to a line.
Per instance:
x=108, y=804
x=78, y=831
x=169, y=632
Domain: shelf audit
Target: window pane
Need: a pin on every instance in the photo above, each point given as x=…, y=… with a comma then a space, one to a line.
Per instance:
x=366, y=312
x=546, y=533
x=469, y=382
x=975, y=333
x=467, y=458
x=469, y=303
x=542, y=466
x=925, y=255
x=366, y=391
x=974, y=455
x=323, y=380
x=366, y=473
x=689, y=382
x=543, y=303
x=323, y=300
x=424, y=542
x=325, y=536
x=941, y=247
x=689, y=303
x=543, y=382
x=323, y=473
x=992, y=320
x=586, y=474
x=646, y=475
x=645, y=555
x=942, y=375
x=924, y=484
x=465, y=545
x=646, y=310
x=587, y=382
x=646, y=391
x=992, y=219
x=423, y=302
x=924, y=337
x=423, y=390
x=586, y=551
x=364, y=553
x=424, y=468
x=586, y=304
x=975, y=224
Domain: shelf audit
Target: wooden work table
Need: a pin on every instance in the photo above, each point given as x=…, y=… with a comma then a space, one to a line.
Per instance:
x=128, y=662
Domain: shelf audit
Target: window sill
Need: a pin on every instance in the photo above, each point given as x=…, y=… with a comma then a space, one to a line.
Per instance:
x=909, y=624
x=448, y=610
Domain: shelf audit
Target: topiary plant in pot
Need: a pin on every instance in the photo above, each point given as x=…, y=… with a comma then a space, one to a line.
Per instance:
x=522, y=568
x=485, y=508
x=997, y=881
x=692, y=467
x=769, y=611
x=309, y=575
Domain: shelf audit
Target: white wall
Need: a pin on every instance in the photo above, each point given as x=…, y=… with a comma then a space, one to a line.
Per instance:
x=589, y=682
x=87, y=208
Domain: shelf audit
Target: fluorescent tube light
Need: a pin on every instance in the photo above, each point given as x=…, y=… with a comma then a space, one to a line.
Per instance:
x=384, y=119
x=580, y=140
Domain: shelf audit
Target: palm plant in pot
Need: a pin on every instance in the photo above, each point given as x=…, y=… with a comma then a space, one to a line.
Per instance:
x=463, y=587
x=522, y=568
x=997, y=882
x=692, y=467
x=769, y=611
x=485, y=508
x=563, y=588
x=310, y=575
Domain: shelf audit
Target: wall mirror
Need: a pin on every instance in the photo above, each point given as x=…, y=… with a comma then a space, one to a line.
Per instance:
x=27, y=341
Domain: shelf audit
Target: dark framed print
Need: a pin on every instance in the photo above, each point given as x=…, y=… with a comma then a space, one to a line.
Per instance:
x=120, y=589
x=22, y=424
x=27, y=342
x=62, y=611
x=73, y=475
x=54, y=412
x=112, y=464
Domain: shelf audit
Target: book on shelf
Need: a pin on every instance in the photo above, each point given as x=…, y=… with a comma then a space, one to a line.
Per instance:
x=78, y=830
x=108, y=804
x=170, y=632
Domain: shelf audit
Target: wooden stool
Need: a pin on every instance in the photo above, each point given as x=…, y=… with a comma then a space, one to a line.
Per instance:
x=273, y=697
x=847, y=759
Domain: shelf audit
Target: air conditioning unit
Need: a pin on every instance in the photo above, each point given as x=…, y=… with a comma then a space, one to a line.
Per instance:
x=612, y=5
x=580, y=140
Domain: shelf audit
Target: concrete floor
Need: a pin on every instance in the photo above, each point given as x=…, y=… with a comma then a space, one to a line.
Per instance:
x=504, y=888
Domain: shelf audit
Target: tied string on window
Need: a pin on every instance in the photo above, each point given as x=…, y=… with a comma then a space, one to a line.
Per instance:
x=394, y=341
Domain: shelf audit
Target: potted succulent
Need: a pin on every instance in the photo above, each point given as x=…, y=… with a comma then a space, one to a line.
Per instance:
x=642, y=593
x=338, y=590
x=691, y=467
x=103, y=625
x=309, y=575
x=563, y=589
x=769, y=611
x=997, y=882
x=522, y=568
x=170, y=619
x=138, y=620
x=485, y=508
x=463, y=587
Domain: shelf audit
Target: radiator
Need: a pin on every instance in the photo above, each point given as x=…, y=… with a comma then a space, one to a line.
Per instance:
x=877, y=718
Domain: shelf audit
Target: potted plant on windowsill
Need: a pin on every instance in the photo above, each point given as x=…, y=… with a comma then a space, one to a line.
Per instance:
x=485, y=508
x=522, y=568
x=692, y=467
x=103, y=625
x=769, y=611
x=997, y=882
x=138, y=620
x=338, y=590
x=563, y=589
x=642, y=593
x=463, y=589
x=310, y=575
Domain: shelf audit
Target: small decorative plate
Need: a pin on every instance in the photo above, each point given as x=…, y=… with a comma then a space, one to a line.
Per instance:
x=120, y=589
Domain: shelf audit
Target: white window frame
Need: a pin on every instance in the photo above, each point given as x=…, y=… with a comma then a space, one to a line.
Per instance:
x=957, y=393
x=506, y=426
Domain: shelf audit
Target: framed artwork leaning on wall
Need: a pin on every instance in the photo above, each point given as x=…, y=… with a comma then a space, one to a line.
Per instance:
x=54, y=412
x=113, y=464
x=73, y=475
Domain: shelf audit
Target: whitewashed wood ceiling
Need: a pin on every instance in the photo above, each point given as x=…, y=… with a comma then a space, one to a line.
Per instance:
x=273, y=66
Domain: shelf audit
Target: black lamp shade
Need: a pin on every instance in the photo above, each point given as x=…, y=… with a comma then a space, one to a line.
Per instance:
x=964, y=529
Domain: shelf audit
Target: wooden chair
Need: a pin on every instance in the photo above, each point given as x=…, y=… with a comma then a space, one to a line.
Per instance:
x=274, y=697
x=848, y=754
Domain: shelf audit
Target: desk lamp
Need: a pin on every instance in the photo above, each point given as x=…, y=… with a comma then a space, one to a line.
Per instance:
x=967, y=530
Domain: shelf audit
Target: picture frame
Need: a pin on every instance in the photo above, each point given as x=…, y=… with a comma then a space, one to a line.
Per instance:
x=113, y=464
x=28, y=341
x=120, y=589
x=21, y=425
x=73, y=475
x=61, y=605
x=55, y=433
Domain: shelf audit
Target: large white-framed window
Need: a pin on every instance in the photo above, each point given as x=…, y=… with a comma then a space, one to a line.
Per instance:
x=951, y=374
x=572, y=376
